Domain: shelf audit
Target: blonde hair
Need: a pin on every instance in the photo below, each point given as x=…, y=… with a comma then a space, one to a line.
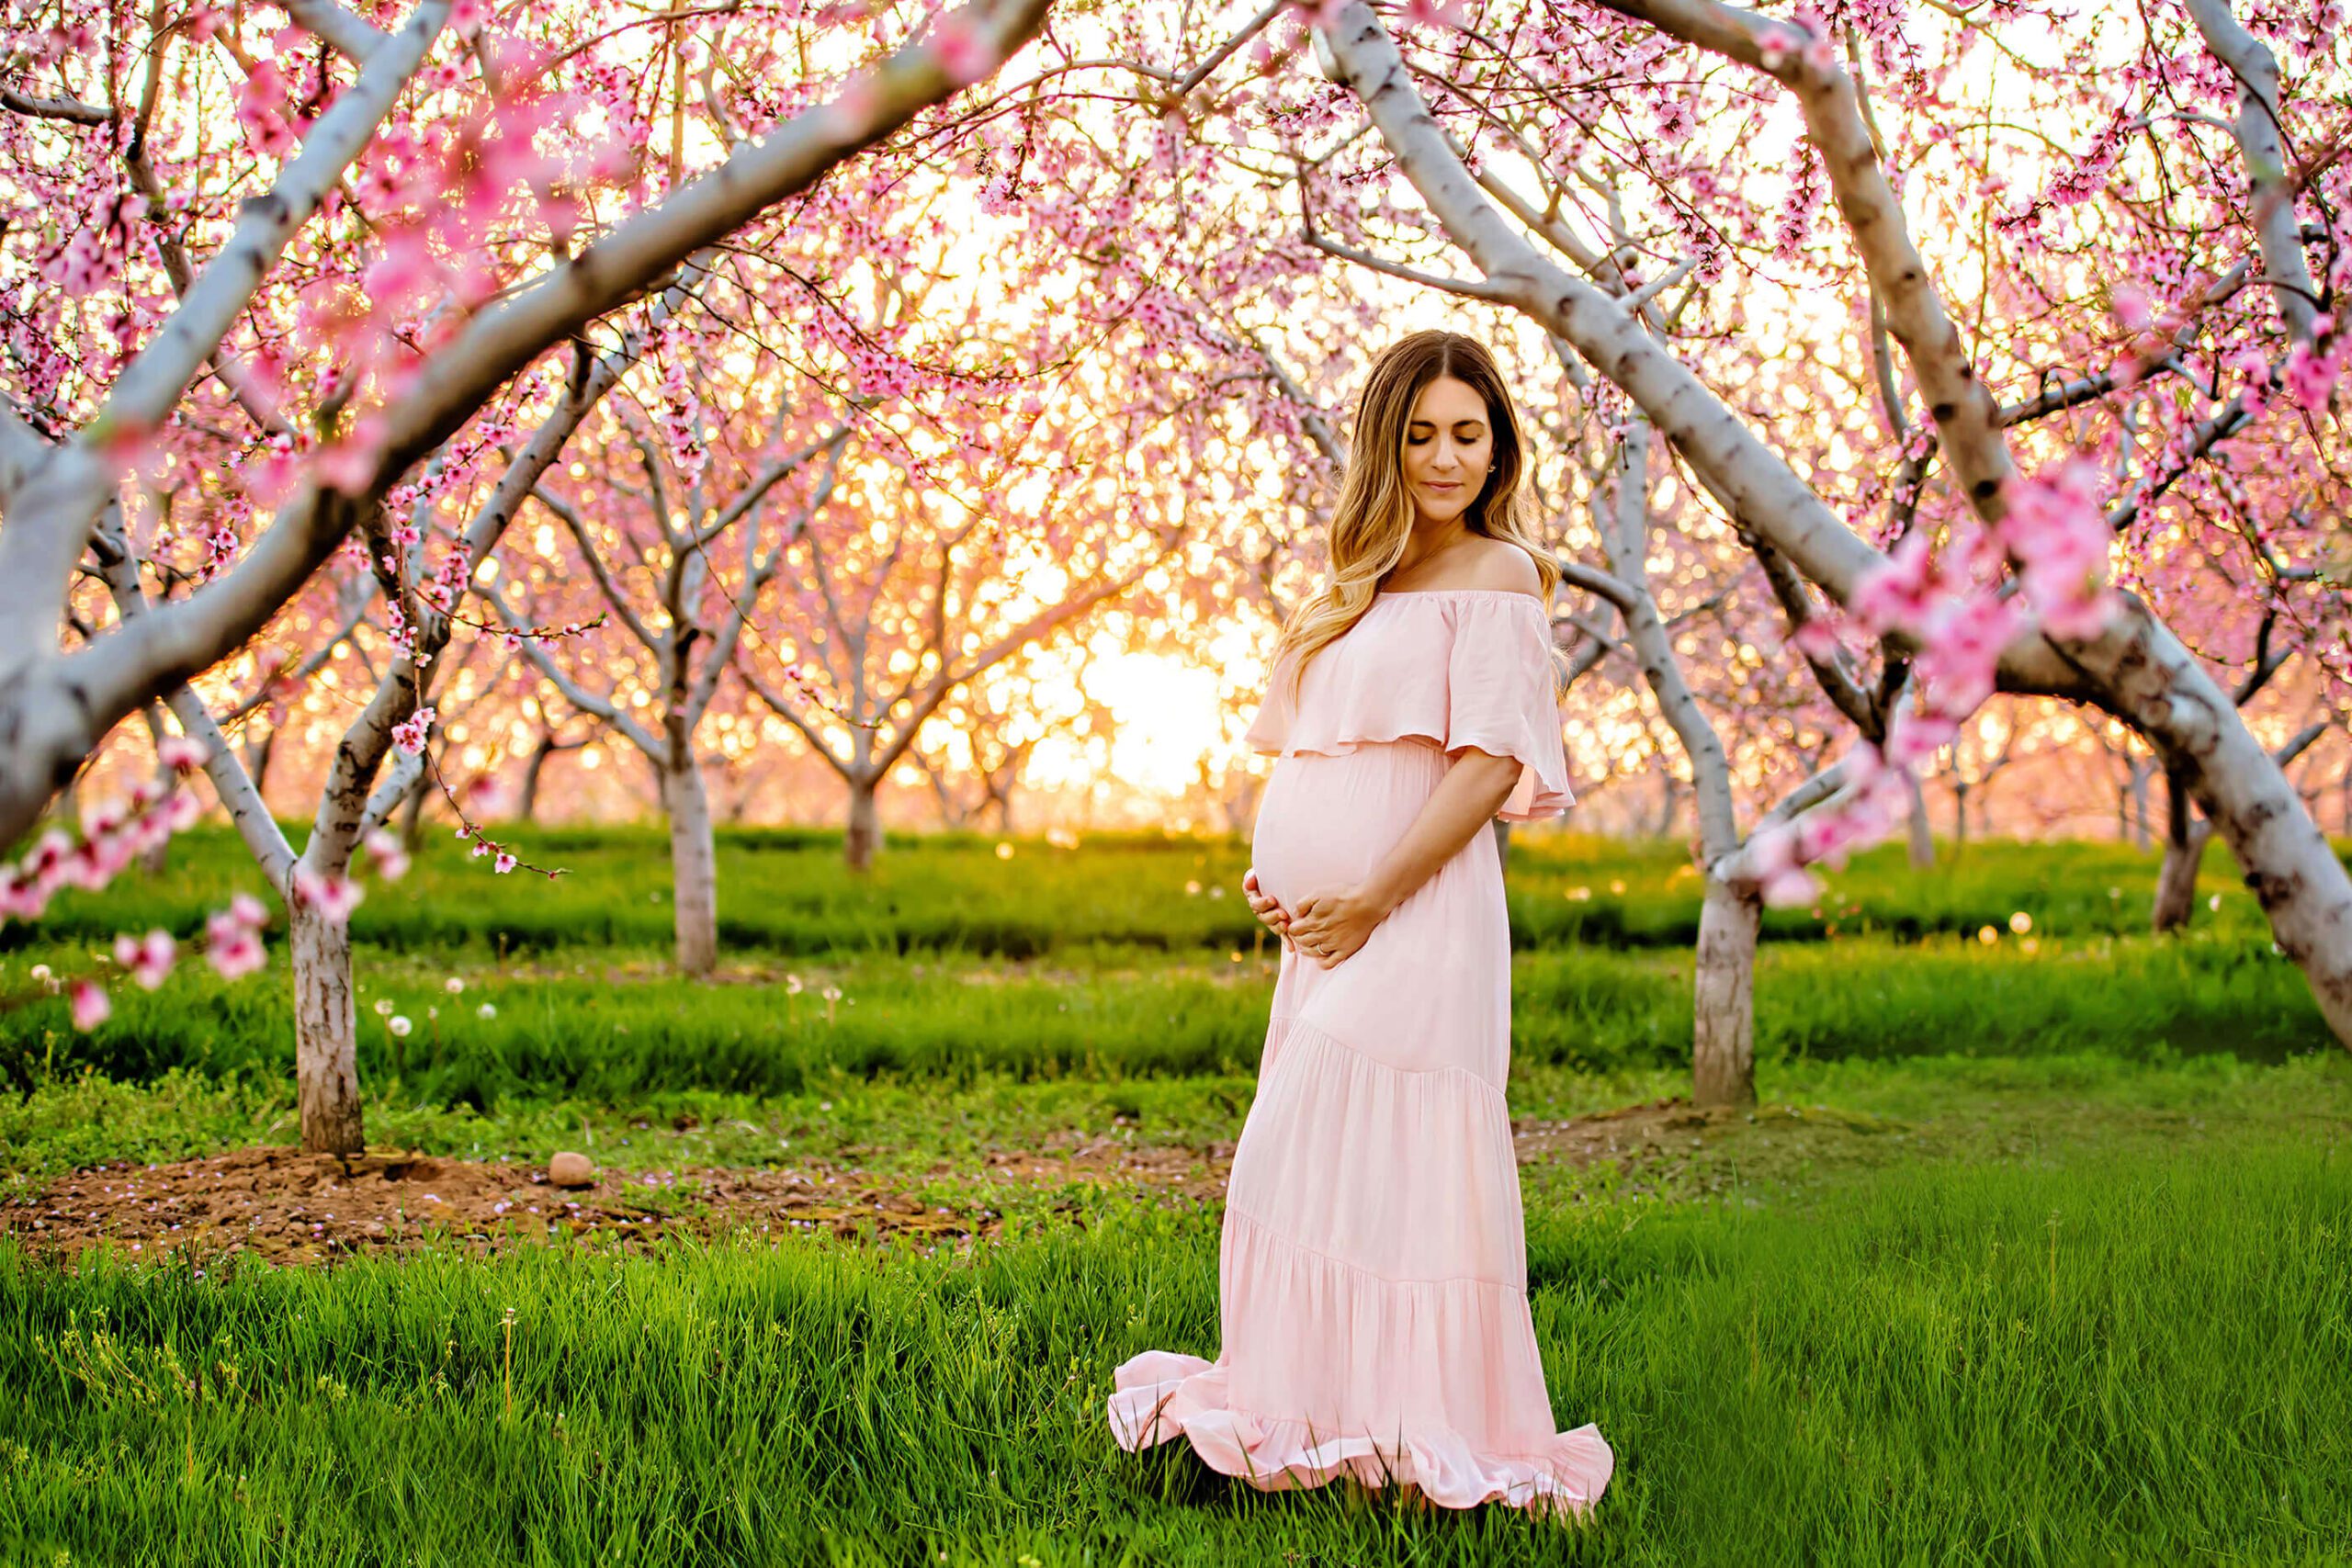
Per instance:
x=1374, y=520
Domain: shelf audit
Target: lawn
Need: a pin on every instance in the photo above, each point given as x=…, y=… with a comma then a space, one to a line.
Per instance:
x=2038, y=1248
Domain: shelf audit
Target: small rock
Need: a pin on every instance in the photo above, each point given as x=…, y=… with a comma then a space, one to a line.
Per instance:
x=571, y=1170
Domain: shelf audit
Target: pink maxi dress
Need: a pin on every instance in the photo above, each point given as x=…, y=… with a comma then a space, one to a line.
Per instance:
x=1373, y=1266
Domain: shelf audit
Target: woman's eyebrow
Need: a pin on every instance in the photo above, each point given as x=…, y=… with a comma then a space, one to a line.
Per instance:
x=1411, y=423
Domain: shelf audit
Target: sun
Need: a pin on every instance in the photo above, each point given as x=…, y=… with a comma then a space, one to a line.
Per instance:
x=1166, y=716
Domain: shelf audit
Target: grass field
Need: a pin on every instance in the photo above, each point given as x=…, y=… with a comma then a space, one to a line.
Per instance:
x=2038, y=1249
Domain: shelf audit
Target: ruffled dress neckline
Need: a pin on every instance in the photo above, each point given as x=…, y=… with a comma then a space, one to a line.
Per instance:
x=1458, y=668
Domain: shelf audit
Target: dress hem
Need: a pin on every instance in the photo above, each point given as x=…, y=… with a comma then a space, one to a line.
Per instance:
x=1159, y=1395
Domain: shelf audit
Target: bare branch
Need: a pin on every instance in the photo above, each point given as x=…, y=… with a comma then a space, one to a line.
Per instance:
x=144, y=395
x=73, y=109
x=342, y=31
x=2261, y=139
x=1463, y=287
x=615, y=270
x=1754, y=483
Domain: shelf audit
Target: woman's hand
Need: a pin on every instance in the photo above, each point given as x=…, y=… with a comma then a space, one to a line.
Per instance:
x=1263, y=904
x=1329, y=926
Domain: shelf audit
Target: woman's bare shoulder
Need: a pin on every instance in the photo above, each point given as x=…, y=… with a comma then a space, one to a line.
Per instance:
x=1499, y=564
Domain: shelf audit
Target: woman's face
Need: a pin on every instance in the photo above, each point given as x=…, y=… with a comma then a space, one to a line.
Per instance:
x=1448, y=445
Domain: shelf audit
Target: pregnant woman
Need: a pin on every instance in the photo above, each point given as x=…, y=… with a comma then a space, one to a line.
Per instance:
x=1373, y=1273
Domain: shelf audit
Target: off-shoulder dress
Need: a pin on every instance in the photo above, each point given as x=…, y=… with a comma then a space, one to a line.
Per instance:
x=1372, y=1267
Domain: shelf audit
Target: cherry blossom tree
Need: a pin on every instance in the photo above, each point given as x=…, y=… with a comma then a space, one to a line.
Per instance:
x=678, y=541
x=477, y=179
x=891, y=619
x=2017, y=597
x=421, y=615
x=431, y=223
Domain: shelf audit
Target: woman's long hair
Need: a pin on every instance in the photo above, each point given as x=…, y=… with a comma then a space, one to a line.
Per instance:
x=1374, y=520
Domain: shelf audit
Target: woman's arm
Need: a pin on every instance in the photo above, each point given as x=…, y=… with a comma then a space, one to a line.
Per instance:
x=1329, y=927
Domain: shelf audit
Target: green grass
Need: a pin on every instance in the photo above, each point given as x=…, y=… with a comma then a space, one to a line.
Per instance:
x=2031, y=1257
x=786, y=894
x=1955, y=1363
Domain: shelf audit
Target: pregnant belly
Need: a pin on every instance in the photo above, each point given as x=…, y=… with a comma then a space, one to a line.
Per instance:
x=1326, y=821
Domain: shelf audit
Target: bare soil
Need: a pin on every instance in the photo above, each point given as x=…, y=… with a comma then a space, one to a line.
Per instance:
x=285, y=1206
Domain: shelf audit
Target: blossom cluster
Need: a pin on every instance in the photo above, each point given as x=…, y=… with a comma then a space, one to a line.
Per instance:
x=114, y=833
x=1961, y=614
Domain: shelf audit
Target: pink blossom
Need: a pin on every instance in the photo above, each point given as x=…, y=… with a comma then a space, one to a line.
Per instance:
x=1894, y=593
x=231, y=949
x=333, y=897
x=20, y=898
x=1784, y=882
x=1962, y=642
x=100, y=818
x=384, y=848
x=91, y=1006
x=2310, y=374
x=147, y=959
x=2132, y=310
x=503, y=863
x=409, y=734
x=1776, y=41
x=1815, y=639
x=965, y=52
x=260, y=105
x=248, y=911
x=1865, y=764
x=1914, y=738
x=180, y=754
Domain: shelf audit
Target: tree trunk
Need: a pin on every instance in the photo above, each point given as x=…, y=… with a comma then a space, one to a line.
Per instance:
x=1723, y=1049
x=863, y=836
x=2186, y=836
x=694, y=867
x=156, y=858
x=527, y=804
x=257, y=756
x=1923, y=841
x=327, y=1052
x=2176, y=881
x=1959, y=817
x=2244, y=792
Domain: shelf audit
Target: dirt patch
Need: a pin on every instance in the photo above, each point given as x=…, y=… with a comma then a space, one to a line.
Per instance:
x=1665, y=1146
x=289, y=1207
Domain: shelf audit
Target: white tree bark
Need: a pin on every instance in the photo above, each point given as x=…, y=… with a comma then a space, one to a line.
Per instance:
x=2136, y=669
x=2186, y=836
x=693, y=866
x=326, y=1053
x=55, y=707
x=1923, y=838
x=1724, y=1047
x=862, y=838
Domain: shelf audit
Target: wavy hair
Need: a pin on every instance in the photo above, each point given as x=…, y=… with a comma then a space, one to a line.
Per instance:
x=1374, y=520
